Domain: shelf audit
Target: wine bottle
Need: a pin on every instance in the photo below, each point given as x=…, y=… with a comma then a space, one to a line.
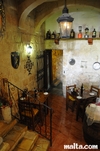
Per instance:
x=82, y=89
x=94, y=33
x=72, y=34
x=48, y=34
x=53, y=35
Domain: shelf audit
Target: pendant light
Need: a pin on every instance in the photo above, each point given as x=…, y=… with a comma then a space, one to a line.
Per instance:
x=65, y=23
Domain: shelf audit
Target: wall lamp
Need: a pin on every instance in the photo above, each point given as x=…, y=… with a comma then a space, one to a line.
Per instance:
x=2, y=19
x=29, y=49
x=29, y=63
x=65, y=23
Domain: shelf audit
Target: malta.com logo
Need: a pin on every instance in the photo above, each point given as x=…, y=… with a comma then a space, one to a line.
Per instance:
x=77, y=146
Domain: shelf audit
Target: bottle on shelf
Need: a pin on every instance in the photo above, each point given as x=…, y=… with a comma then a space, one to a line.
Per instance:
x=48, y=34
x=94, y=33
x=53, y=35
x=80, y=32
x=82, y=89
x=72, y=34
x=86, y=33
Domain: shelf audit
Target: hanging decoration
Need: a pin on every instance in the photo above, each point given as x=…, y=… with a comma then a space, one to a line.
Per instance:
x=29, y=63
x=15, y=59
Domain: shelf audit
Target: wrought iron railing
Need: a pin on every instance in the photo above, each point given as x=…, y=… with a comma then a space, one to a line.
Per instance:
x=14, y=94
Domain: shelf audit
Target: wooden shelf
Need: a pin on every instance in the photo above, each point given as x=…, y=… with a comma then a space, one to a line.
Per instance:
x=75, y=39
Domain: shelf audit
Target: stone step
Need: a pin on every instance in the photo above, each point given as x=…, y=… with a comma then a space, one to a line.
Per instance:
x=5, y=128
x=28, y=141
x=56, y=82
x=14, y=136
x=4, y=147
x=19, y=138
x=41, y=145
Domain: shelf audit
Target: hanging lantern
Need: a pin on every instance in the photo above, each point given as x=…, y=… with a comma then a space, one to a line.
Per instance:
x=65, y=23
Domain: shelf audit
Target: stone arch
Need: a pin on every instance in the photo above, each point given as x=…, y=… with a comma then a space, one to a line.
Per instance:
x=28, y=6
x=37, y=26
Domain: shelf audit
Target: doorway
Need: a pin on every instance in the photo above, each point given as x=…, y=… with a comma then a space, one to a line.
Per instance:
x=53, y=66
x=47, y=69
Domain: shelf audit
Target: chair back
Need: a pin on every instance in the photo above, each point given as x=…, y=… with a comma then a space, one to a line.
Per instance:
x=25, y=109
x=27, y=114
x=94, y=89
x=70, y=86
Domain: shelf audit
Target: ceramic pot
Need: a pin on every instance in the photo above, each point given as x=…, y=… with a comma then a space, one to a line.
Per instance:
x=6, y=113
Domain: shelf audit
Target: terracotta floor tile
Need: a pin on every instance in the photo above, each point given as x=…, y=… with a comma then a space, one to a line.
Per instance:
x=66, y=130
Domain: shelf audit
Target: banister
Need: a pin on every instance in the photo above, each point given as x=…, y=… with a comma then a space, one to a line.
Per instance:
x=48, y=114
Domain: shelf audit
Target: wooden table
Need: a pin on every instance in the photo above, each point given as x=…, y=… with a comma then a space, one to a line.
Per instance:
x=41, y=98
x=37, y=101
x=40, y=102
x=85, y=97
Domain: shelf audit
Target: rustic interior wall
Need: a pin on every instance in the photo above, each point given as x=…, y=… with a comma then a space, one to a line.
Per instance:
x=85, y=55
x=16, y=40
x=57, y=64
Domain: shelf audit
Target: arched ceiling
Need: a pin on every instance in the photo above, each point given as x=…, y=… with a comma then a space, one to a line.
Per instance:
x=41, y=9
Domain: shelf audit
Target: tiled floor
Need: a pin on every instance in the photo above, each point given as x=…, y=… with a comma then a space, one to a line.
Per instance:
x=66, y=130
x=57, y=90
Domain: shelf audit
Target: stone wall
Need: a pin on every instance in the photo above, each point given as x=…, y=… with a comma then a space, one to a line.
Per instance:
x=16, y=39
x=57, y=61
x=85, y=55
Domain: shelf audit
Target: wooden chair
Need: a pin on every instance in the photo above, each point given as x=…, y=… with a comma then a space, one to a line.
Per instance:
x=70, y=101
x=28, y=115
x=94, y=89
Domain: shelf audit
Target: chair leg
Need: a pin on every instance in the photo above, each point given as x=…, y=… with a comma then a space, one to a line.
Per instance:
x=73, y=106
x=67, y=104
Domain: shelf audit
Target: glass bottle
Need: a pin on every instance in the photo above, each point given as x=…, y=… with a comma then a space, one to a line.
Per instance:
x=86, y=33
x=80, y=32
x=53, y=35
x=82, y=89
x=48, y=34
x=94, y=33
x=99, y=34
x=72, y=34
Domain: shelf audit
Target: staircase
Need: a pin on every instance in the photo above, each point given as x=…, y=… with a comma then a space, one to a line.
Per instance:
x=10, y=95
x=17, y=137
x=56, y=82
